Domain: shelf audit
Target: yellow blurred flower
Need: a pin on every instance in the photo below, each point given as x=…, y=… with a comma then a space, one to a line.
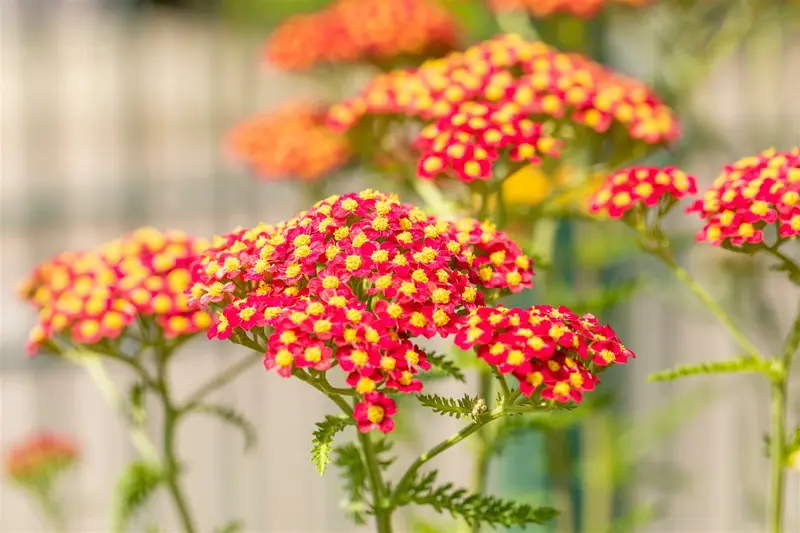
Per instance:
x=530, y=186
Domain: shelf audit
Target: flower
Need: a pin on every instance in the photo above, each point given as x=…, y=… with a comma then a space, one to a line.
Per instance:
x=529, y=186
x=551, y=352
x=750, y=195
x=86, y=297
x=39, y=458
x=375, y=412
x=544, y=8
x=363, y=30
x=350, y=283
x=627, y=188
x=292, y=141
x=494, y=96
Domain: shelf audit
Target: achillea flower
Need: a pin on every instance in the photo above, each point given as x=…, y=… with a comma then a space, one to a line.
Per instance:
x=748, y=196
x=85, y=297
x=492, y=96
x=38, y=459
x=553, y=353
x=627, y=188
x=375, y=412
x=292, y=142
x=545, y=8
x=374, y=31
x=350, y=282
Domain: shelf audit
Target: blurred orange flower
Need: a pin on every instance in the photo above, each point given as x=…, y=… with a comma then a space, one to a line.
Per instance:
x=36, y=460
x=545, y=8
x=375, y=31
x=291, y=142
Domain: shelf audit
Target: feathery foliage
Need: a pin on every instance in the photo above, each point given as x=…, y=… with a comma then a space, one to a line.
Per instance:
x=737, y=365
x=449, y=406
x=322, y=443
x=354, y=475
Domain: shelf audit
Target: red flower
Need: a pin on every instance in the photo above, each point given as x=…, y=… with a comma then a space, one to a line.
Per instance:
x=544, y=8
x=375, y=412
x=39, y=458
x=647, y=186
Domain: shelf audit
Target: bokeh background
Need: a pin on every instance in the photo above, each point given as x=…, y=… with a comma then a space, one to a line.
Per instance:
x=112, y=118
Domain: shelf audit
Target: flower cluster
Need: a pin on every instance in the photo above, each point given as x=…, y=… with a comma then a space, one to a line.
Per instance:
x=544, y=8
x=349, y=283
x=38, y=459
x=486, y=97
x=552, y=352
x=626, y=188
x=354, y=30
x=95, y=295
x=749, y=195
x=292, y=141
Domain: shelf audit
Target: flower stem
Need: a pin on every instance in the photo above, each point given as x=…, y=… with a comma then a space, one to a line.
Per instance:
x=777, y=443
x=51, y=509
x=223, y=378
x=380, y=503
x=482, y=456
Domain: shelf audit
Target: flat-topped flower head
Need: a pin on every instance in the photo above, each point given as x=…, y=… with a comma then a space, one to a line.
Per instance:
x=491, y=97
x=88, y=297
x=750, y=195
x=37, y=460
x=373, y=31
x=553, y=353
x=290, y=142
x=351, y=282
x=544, y=8
x=625, y=189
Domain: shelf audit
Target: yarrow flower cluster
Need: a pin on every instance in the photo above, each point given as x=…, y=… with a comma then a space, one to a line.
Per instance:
x=292, y=142
x=749, y=195
x=627, y=188
x=87, y=297
x=348, y=284
x=553, y=353
x=39, y=458
x=363, y=30
x=489, y=97
x=544, y=8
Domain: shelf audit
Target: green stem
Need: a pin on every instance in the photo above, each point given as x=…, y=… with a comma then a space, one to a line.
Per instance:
x=51, y=509
x=381, y=505
x=480, y=471
x=777, y=444
x=223, y=378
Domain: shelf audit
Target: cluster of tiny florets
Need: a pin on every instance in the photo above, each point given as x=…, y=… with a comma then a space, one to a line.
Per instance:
x=544, y=8
x=749, y=195
x=86, y=297
x=553, y=353
x=37, y=459
x=524, y=79
x=350, y=282
x=290, y=142
x=627, y=188
x=363, y=30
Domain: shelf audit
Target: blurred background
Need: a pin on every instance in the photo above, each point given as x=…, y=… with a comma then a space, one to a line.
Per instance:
x=113, y=114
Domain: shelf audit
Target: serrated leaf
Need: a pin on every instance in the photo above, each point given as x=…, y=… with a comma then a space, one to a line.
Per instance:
x=133, y=489
x=232, y=417
x=448, y=406
x=446, y=366
x=322, y=443
x=737, y=365
x=354, y=475
x=474, y=508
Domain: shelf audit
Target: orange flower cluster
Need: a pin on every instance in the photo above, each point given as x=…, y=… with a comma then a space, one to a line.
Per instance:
x=86, y=297
x=545, y=8
x=349, y=283
x=363, y=30
x=484, y=95
x=749, y=195
x=37, y=459
x=293, y=141
x=626, y=188
x=553, y=353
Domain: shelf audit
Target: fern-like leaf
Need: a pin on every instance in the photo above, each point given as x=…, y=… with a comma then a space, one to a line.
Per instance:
x=354, y=476
x=737, y=365
x=231, y=416
x=475, y=508
x=133, y=489
x=444, y=365
x=322, y=443
x=448, y=406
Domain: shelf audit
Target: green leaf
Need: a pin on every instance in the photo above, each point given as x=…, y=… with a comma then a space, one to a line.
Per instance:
x=737, y=365
x=230, y=416
x=133, y=489
x=444, y=365
x=382, y=447
x=354, y=475
x=322, y=443
x=474, y=508
x=137, y=402
x=449, y=406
